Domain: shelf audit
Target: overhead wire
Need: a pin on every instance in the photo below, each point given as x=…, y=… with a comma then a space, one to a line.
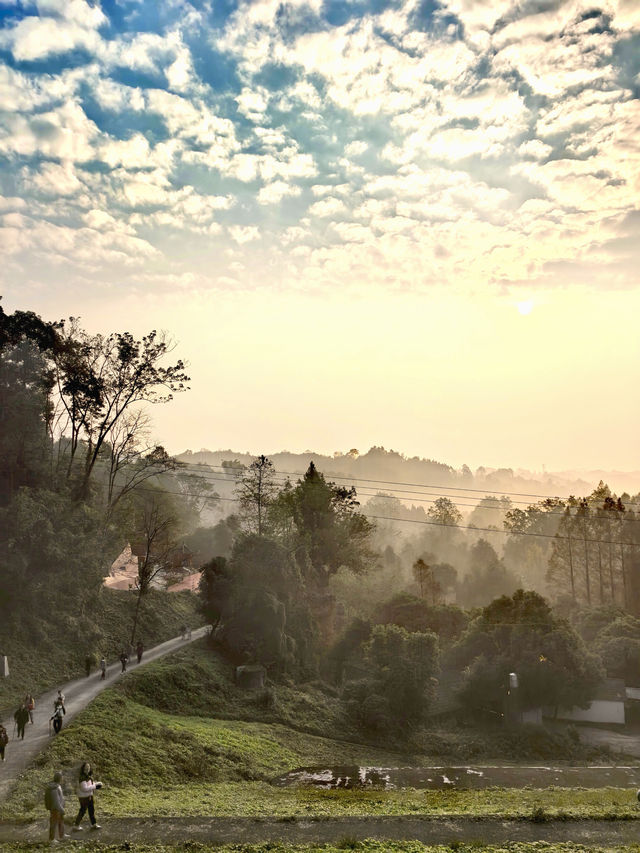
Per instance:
x=212, y=476
x=434, y=523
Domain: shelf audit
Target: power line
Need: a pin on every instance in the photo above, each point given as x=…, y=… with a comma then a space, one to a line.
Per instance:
x=393, y=483
x=433, y=523
x=211, y=477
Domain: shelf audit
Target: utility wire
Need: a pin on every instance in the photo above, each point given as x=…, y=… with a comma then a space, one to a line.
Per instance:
x=212, y=477
x=431, y=523
x=487, y=492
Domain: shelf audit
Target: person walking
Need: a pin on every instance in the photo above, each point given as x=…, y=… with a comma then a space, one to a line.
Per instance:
x=21, y=717
x=103, y=668
x=139, y=650
x=4, y=740
x=54, y=802
x=59, y=700
x=124, y=658
x=30, y=702
x=86, y=789
x=56, y=718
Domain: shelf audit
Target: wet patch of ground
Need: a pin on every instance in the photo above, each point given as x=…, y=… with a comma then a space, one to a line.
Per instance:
x=462, y=778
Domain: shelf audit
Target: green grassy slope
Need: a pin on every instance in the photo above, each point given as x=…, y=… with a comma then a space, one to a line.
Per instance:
x=192, y=763
x=55, y=652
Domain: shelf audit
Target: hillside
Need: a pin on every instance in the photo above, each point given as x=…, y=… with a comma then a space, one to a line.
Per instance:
x=389, y=466
x=53, y=646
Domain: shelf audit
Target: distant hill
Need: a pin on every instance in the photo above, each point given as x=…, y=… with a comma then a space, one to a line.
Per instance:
x=386, y=468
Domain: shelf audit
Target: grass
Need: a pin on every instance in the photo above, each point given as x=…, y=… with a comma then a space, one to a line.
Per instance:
x=365, y=846
x=199, y=681
x=154, y=763
x=58, y=655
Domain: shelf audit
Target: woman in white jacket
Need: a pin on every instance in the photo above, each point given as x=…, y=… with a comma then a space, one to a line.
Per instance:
x=86, y=788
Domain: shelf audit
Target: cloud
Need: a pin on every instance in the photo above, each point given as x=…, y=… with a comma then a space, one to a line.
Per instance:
x=465, y=140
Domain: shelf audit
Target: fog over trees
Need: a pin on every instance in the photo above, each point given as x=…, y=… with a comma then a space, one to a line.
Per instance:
x=383, y=577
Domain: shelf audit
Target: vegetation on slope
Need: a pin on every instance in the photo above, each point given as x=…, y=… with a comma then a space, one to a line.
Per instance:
x=184, y=763
x=199, y=681
x=56, y=652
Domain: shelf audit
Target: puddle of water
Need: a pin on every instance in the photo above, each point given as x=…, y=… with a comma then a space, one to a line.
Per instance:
x=441, y=778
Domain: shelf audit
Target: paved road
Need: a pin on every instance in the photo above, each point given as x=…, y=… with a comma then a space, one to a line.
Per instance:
x=78, y=694
x=627, y=743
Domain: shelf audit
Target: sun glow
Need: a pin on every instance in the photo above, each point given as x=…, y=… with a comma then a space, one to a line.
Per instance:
x=525, y=306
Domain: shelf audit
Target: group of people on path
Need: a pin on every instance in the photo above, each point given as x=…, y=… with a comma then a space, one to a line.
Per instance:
x=124, y=656
x=54, y=801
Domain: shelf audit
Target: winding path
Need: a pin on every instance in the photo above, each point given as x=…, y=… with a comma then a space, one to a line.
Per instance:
x=78, y=694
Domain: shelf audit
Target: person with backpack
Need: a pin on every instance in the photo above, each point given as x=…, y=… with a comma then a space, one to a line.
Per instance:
x=59, y=701
x=86, y=789
x=103, y=668
x=4, y=740
x=54, y=803
x=124, y=657
x=56, y=718
x=21, y=717
x=30, y=702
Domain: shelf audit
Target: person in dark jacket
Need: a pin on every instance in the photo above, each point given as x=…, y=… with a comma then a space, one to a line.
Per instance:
x=21, y=717
x=56, y=719
x=86, y=788
x=124, y=658
x=4, y=740
x=139, y=650
x=55, y=796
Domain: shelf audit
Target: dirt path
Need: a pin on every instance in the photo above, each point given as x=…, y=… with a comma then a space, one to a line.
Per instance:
x=325, y=830
x=78, y=694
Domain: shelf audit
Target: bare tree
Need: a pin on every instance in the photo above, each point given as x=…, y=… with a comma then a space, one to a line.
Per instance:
x=256, y=490
x=101, y=379
x=154, y=540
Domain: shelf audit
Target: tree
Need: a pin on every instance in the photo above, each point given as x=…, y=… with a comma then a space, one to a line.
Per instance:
x=330, y=532
x=99, y=379
x=155, y=527
x=24, y=451
x=399, y=690
x=256, y=490
x=424, y=576
x=414, y=614
x=520, y=634
x=259, y=619
x=487, y=577
x=215, y=587
x=445, y=512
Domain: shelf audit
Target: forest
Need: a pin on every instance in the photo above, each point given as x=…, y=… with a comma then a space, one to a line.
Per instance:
x=408, y=607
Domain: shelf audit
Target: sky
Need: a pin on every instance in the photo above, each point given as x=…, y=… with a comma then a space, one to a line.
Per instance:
x=407, y=223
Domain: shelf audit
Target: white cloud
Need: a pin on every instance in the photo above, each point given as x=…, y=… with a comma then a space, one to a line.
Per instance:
x=57, y=179
x=252, y=104
x=64, y=133
x=328, y=207
x=276, y=191
x=244, y=233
